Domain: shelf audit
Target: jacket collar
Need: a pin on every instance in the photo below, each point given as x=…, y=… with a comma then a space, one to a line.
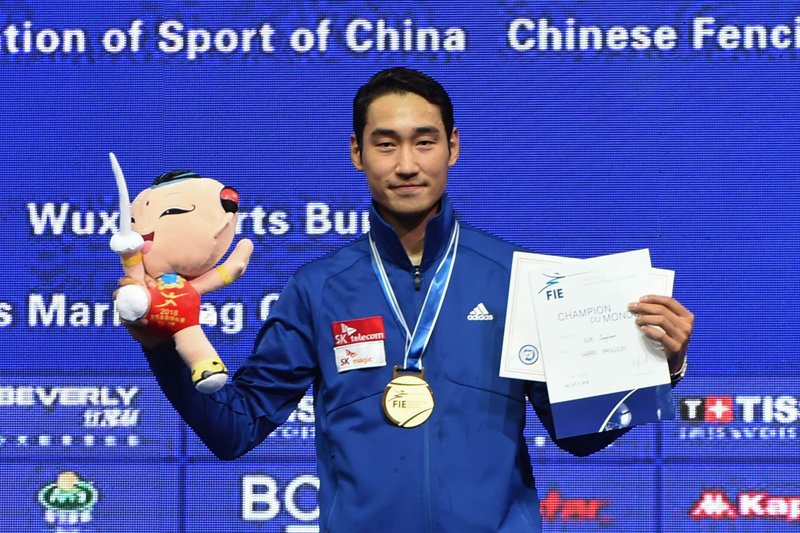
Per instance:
x=437, y=234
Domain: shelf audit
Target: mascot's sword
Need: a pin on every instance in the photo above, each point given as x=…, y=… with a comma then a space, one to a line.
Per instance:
x=127, y=243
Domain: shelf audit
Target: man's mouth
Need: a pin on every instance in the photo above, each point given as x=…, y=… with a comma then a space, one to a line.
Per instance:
x=406, y=187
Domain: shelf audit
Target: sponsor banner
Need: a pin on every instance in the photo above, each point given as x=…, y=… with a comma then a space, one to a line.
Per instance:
x=82, y=322
x=714, y=416
x=609, y=497
x=751, y=497
x=79, y=497
x=639, y=443
x=246, y=497
x=292, y=441
x=76, y=416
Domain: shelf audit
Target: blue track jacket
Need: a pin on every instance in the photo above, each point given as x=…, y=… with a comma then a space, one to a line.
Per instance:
x=466, y=469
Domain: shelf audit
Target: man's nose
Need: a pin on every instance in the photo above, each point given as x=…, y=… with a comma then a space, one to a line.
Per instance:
x=406, y=162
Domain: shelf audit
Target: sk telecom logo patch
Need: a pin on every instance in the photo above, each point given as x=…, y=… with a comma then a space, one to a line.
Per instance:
x=358, y=343
x=358, y=330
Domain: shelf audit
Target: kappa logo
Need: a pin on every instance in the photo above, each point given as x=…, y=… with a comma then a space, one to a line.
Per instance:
x=715, y=504
x=480, y=313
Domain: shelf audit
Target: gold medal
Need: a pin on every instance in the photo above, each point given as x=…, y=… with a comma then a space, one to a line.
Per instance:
x=407, y=400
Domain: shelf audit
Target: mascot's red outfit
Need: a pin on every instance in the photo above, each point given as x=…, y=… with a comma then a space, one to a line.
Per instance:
x=175, y=305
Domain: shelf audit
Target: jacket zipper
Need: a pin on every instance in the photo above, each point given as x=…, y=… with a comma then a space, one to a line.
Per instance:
x=417, y=278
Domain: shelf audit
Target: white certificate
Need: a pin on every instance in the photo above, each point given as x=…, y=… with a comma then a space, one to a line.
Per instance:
x=602, y=372
x=521, y=356
x=589, y=339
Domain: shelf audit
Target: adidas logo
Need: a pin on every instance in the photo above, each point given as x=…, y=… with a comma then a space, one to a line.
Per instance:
x=480, y=313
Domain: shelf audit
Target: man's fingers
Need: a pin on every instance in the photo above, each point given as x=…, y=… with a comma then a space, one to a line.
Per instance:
x=659, y=315
x=673, y=324
x=670, y=344
x=667, y=301
x=663, y=322
x=665, y=312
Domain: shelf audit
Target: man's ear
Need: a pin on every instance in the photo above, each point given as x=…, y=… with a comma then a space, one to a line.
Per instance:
x=455, y=148
x=355, y=153
x=227, y=220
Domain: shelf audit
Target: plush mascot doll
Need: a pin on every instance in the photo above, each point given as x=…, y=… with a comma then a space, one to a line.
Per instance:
x=175, y=232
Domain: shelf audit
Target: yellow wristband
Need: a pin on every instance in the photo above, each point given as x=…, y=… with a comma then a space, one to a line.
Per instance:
x=223, y=272
x=133, y=260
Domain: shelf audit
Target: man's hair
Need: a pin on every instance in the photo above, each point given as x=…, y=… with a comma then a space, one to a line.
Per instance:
x=400, y=80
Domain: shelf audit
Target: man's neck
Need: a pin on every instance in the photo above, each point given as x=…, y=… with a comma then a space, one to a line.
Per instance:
x=411, y=230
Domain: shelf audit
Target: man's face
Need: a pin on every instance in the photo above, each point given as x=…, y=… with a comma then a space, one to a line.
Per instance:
x=405, y=154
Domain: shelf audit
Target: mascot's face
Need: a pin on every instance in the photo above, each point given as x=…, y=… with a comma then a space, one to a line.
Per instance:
x=185, y=228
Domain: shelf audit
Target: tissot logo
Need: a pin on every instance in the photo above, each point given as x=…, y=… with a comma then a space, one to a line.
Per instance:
x=782, y=409
x=715, y=505
x=709, y=409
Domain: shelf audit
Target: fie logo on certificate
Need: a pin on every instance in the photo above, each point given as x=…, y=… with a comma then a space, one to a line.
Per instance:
x=568, y=324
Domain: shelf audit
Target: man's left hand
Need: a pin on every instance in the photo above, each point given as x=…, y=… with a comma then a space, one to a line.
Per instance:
x=674, y=320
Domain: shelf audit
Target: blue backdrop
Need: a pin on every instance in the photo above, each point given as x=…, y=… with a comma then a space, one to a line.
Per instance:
x=587, y=128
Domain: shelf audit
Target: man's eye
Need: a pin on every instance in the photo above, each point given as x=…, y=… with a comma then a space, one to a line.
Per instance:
x=176, y=211
x=133, y=220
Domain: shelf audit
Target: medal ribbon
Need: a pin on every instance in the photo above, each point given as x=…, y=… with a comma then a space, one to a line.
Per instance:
x=418, y=341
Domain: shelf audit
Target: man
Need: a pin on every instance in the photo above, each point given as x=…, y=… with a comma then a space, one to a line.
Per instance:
x=416, y=431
